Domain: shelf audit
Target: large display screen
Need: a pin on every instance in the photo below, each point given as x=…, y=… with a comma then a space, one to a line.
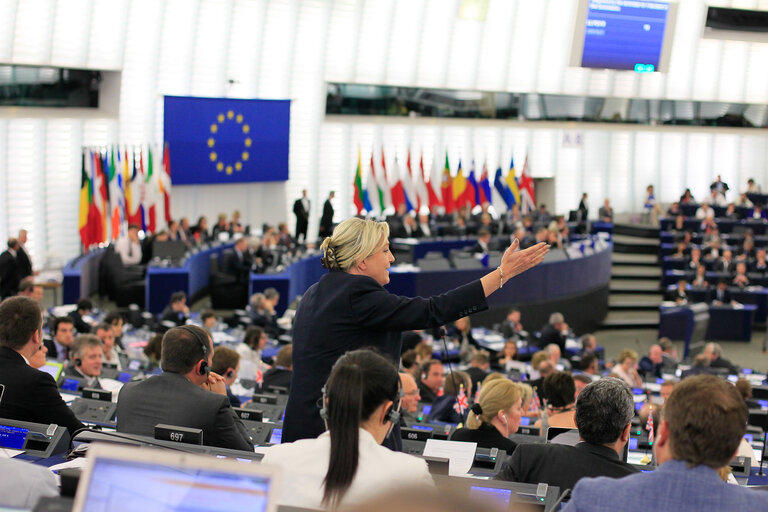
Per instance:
x=12, y=437
x=623, y=34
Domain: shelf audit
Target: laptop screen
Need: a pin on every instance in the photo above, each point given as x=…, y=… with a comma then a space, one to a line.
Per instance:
x=52, y=369
x=150, y=487
x=277, y=436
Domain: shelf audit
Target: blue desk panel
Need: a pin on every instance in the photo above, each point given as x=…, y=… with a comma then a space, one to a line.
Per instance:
x=81, y=276
x=192, y=277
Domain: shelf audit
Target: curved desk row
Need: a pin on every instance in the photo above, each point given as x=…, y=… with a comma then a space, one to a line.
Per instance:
x=576, y=287
x=80, y=276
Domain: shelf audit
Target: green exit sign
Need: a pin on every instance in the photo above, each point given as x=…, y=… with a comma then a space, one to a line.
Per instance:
x=644, y=68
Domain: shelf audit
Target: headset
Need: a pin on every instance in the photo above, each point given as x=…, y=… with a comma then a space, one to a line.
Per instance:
x=204, y=368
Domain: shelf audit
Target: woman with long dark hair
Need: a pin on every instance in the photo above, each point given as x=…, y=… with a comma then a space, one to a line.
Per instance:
x=350, y=309
x=360, y=403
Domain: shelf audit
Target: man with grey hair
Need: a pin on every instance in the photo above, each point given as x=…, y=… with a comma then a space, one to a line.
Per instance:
x=556, y=331
x=604, y=411
x=714, y=353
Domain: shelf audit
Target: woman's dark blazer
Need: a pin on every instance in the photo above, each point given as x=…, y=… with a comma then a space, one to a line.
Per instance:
x=344, y=312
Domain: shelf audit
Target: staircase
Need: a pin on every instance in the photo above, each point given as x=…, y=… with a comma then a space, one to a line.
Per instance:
x=635, y=293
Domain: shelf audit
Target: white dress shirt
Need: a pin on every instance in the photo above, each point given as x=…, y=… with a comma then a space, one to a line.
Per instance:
x=130, y=252
x=305, y=463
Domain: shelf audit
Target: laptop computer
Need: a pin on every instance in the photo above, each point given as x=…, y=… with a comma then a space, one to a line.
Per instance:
x=117, y=477
x=53, y=369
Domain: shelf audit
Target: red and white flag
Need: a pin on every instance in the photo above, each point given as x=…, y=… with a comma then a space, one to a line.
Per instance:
x=461, y=404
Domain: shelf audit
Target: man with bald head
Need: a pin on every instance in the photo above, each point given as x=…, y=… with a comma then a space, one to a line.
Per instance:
x=652, y=364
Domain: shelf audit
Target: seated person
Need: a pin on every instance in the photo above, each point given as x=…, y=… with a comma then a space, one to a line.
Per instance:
x=511, y=326
x=508, y=358
x=702, y=424
x=543, y=368
x=626, y=370
x=740, y=279
x=129, y=247
x=714, y=352
x=745, y=390
x=700, y=279
x=554, y=357
x=104, y=332
x=263, y=311
x=239, y=263
x=208, y=318
x=680, y=294
x=347, y=464
x=432, y=380
x=650, y=365
x=694, y=261
x=725, y=264
x=603, y=417
x=720, y=296
x=478, y=369
x=63, y=329
x=668, y=355
x=605, y=212
x=115, y=320
x=24, y=483
x=221, y=226
x=461, y=333
x=154, y=350
x=280, y=373
x=177, y=310
x=226, y=362
x=483, y=245
x=453, y=405
x=666, y=389
x=86, y=358
x=580, y=381
x=590, y=366
x=83, y=308
x=560, y=393
x=186, y=394
x=28, y=288
x=556, y=331
x=30, y=395
x=760, y=265
x=148, y=245
x=494, y=416
x=254, y=342
x=700, y=366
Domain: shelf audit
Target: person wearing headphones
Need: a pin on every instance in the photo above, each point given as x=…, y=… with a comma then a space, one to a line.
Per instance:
x=494, y=416
x=186, y=394
x=347, y=464
x=86, y=358
x=226, y=362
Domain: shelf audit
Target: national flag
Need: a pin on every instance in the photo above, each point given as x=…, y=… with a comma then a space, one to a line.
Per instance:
x=473, y=191
x=357, y=195
x=375, y=194
x=649, y=425
x=459, y=188
x=101, y=196
x=383, y=182
x=165, y=183
x=128, y=189
x=434, y=199
x=411, y=198
x=503, y=189
x=396, y=190
x=484, y=186
x=528, y=196
x=446, y=187
x=259, y=377
x=512, y=181
x=150, y=195
x=477, y=391
x=116, y=199
x=421, y=186
x=85, y=201
x=461, y=404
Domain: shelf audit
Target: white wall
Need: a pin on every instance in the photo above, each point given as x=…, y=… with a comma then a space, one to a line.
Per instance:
x=289, y=48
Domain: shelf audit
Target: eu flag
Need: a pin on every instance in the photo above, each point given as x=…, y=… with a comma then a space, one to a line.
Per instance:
x=223, y=140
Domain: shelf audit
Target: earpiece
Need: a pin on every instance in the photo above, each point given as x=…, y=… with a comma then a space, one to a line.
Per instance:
x=505, y=418
x=78, y=362
x=323, y=409
x=229, y=374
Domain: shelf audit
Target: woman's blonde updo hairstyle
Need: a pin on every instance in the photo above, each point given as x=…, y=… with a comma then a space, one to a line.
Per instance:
x=351, y=242
x=497, y=395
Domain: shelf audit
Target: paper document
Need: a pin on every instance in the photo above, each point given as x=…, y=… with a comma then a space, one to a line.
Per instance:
x=460, y=455
x=8, y=453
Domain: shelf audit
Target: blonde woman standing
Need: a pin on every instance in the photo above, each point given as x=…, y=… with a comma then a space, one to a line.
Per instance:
x=350, y=309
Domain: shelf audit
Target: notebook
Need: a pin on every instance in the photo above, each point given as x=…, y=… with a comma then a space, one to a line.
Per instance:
x=126, y=478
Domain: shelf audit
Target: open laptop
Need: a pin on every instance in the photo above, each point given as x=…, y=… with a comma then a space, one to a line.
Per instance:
x=53, y=369
x=125, y=478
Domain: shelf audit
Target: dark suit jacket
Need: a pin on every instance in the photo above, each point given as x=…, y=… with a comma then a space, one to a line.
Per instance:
x=23, y=263
x=302, y=217
x=172, y=399
x=562, y=465
x=53, y=352
x=477, y=375
x=169, y=315
x=443, y=410
x=31, y=395
x=9, y=275
x=277, y=376
x=551, y=335
x=70, y=371
x=486, y=436
x=724, y=363
x=345, y=312
x=427, y=395
x=81, y=325
x=238, y=266
x=726, y=299
x=326, y=221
